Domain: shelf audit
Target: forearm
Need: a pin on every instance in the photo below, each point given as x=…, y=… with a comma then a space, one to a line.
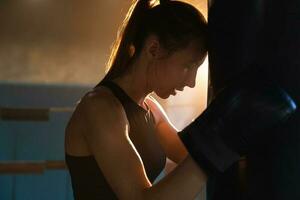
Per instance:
x=184, y=182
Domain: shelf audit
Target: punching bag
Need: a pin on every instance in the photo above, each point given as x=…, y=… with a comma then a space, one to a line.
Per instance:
x=260, y=38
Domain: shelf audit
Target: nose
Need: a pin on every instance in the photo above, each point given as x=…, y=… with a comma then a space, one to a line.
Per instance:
x=191, y=79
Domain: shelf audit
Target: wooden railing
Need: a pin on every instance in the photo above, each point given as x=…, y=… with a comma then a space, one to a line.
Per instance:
x=30, y=114
x=30, y=167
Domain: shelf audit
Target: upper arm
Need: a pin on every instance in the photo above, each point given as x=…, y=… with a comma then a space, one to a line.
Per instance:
x=167, y=133
x=107, y=137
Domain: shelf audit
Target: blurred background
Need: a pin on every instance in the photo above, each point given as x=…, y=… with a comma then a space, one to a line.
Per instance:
x=68, y=42
x=51, y=53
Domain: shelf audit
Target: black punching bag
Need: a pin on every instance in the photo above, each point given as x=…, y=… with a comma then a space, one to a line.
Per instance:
x=260, y=38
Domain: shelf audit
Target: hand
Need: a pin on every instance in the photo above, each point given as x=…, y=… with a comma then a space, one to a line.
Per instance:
x=238, y=118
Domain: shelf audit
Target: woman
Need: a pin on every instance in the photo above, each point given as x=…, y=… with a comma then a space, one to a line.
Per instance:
x=118, y=138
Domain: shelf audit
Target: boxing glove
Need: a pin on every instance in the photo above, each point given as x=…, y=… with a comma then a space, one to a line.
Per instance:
x=239, y=118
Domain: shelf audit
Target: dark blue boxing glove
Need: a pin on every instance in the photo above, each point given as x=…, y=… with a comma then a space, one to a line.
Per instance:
x=240, y=117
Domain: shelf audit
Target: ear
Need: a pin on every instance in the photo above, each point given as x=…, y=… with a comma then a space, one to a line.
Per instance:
x=152, y=47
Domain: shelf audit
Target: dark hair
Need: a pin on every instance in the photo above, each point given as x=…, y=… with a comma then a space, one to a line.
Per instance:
x=175, y=23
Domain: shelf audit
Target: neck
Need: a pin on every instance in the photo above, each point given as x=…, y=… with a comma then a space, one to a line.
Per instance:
x=135, y=83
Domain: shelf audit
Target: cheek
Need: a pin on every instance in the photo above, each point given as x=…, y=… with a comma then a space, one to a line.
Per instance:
x=185, y=72
x=157, y=76
x=163, y=70
x=167, y=75
x=182, y=74
x=176, y=75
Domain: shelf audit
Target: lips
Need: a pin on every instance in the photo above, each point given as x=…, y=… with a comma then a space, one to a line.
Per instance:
x=180, y=89
x=175, y=90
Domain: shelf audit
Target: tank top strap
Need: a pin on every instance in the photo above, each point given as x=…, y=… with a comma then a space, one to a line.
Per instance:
x=118, y=92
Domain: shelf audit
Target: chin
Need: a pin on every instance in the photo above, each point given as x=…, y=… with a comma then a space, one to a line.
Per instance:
x=163, y=96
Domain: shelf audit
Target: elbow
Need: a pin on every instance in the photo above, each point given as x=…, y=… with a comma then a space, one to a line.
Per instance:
x=146, y=194
x=143, y=194
x=149, y=194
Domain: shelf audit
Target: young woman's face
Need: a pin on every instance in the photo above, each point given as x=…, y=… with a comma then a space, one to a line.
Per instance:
x=174, y=72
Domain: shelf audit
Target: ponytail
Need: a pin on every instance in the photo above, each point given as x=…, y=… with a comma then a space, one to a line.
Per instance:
x=175, y=23
x=123, y=49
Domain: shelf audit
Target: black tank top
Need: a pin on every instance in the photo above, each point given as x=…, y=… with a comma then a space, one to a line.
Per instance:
x=88, y=182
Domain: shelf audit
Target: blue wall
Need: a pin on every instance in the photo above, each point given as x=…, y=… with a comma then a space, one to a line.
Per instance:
x=36, y=140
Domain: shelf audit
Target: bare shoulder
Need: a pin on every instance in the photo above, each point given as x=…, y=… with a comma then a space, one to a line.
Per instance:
x=97, y=114
x=100, y=106
x=102, y=101
x=99, y=96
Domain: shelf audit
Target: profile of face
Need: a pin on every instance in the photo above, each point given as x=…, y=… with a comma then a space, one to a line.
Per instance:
x=172, y=72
